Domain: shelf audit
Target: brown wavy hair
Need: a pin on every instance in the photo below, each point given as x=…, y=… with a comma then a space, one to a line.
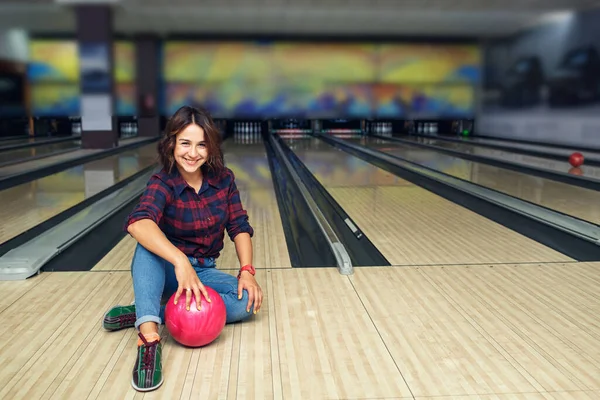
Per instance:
x=182, y=118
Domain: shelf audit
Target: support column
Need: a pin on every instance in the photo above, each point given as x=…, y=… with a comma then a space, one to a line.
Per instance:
x=147, y=84
x=94, y=36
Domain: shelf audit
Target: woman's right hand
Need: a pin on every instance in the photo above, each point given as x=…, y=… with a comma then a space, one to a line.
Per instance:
x=188, y=280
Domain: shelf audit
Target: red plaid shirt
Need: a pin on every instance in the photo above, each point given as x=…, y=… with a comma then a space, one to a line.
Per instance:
x=195, y=222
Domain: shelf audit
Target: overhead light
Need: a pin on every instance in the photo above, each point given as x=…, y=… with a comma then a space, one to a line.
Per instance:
x=556, y=16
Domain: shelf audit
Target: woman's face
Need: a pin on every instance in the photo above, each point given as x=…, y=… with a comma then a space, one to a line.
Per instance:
x=190, y=149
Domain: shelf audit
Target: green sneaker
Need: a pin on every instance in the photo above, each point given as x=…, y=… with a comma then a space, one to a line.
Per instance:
x=147, y=372
x=119, y=317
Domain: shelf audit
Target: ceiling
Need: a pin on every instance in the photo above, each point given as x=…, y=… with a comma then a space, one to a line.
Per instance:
x=443, y=18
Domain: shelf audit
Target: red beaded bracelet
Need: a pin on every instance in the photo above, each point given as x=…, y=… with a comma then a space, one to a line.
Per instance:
x=248, y=268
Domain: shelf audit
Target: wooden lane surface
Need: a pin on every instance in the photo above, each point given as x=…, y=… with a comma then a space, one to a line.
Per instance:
x=47, y=161
x=32, y=203
x=486, y=332
x=572, y=200
x=412, y=226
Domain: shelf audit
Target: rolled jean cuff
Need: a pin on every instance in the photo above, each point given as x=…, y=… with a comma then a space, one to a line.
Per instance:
x=147, y=318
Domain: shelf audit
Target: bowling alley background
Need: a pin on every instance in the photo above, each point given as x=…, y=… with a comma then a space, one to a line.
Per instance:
x=544, y=83
x=250, y=79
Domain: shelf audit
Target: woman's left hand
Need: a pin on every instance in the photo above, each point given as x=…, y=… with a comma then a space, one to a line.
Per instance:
x=255, y=295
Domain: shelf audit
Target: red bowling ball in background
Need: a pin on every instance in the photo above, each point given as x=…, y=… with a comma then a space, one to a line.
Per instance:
x=576, y=160
x=196, y=328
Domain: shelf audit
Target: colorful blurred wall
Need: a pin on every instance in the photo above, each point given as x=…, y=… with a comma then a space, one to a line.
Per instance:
x=53, y=72
x=258, y=79
x=321, y=80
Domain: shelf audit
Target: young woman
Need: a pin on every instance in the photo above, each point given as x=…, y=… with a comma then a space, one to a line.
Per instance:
x=179, y=224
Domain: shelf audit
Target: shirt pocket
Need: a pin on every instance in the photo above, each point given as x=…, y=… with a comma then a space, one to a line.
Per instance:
x=185, y=217
x=216, y=215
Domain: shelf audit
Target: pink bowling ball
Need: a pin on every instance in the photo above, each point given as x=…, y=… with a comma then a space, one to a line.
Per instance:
x=196, y=328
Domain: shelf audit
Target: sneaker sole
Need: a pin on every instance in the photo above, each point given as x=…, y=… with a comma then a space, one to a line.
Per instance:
x=147, y=389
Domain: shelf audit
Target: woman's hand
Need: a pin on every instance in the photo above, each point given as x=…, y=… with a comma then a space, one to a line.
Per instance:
x=255, y=295
x=188, y=280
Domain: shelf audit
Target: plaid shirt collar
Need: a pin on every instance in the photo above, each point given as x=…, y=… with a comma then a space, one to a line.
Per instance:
x=179, y=184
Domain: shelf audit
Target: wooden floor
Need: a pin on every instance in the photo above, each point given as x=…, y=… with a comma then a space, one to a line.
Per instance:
x=479, y=332
x=434, y=230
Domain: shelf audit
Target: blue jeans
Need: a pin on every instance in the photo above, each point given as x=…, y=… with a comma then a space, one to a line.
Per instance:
x=154, y=282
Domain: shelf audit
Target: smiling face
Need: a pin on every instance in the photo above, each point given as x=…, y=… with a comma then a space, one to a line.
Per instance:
x=191, y=140
x=191, y=150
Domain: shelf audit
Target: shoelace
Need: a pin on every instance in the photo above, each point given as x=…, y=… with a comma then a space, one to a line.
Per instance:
x=127, y=319
x=149, y=353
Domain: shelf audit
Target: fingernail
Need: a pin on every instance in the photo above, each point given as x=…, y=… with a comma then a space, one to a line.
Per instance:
x=255, y=311
x=187, y=308
x=239, y=297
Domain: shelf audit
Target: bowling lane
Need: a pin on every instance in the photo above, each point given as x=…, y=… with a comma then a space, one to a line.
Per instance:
x=568, y=199
x=25, y=154
x=25, y=206
x=408, y=224
x=27, y=166
x=248, y=161
x=14, y=141
x=561, y=151
x=589, y=171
